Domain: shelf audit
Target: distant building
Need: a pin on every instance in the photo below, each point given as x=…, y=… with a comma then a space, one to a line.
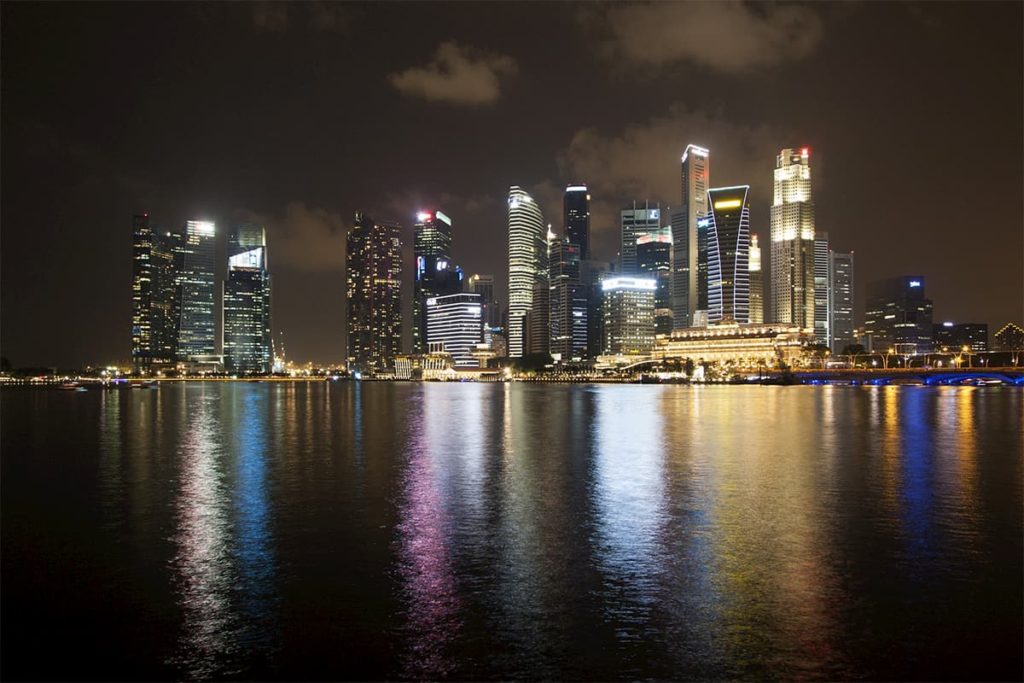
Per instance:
x=822, y=295
x=953, y=337
x=436, y=274
x=841, y=288
x=628, y=315
x=898, y=316
x=247, y=347
x=592, y=273
x=576, y=207
x=1010, y=337
x=654, y=260
x=636, y=221
x=567, y=301
x=154, y=337
x=756, y=283
x=194, y=270
x=689, y=276
x=527, y=251
x=453, y=321
x=728, y=226
x=373, y=290
x=484, y=286
x=792, y=240
x=748, y=346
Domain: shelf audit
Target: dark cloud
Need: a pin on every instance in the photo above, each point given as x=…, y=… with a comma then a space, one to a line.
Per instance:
x=457, y=75
x=727, y=36
x=303, y=238
x=270, y=17
x=277, y=17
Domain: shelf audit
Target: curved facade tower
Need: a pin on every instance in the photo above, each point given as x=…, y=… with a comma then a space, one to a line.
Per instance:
x=728, y=229
x=792, y=233
x=526, y=252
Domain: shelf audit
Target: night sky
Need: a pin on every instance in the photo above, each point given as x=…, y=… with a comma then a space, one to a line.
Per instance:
x=299, y=114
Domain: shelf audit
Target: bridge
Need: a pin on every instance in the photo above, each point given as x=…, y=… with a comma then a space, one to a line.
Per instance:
x=1013, y=376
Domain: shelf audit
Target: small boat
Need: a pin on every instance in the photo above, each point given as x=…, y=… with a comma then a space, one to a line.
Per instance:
x=70, y=386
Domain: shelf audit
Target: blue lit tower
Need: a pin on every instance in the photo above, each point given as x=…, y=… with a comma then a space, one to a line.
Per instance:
x=435, y=274
x=728, y=229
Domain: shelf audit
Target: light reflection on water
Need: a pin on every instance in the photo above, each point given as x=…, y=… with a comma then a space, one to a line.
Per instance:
x=514, y=531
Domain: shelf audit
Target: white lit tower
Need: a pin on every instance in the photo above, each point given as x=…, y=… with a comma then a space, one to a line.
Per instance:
x=792, y=234
x=527, y=251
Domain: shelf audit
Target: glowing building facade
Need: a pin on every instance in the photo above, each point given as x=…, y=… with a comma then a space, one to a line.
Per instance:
x=153, y=297
x=822, y=295
x=756, y=274
x=636, y=221
x=454, y=326
x=654, y=260
x=247, y=348
x=687, y=273
x=728, y=229
x=435, y=274
x=373, y=274
x=628, y=315
x=527, y=250
x=792, y=235
x=194, y=268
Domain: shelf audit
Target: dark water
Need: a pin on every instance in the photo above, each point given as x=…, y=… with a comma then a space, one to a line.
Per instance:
x=316, y=531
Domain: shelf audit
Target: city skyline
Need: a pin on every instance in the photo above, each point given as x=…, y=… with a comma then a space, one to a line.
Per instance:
x=883, y=205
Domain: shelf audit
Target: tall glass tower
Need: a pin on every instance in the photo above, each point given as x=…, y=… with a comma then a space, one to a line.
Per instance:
x=728, y=227
x=822, y=295
x=576, y=205
x=636, y=221
x=435, y=274
x=688, y=277
x=373, y=273
x=840, y=276
x=195, y=261
x=247, y=302
x=654, y=259
x=792, y=233
x=567, y=301
x=527, y=252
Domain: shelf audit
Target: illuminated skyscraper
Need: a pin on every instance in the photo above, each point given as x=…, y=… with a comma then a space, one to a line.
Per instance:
x=840, y=277
x=728, y=229
x=373, y=271
x=898, y=316
x=756, y=282
x=567, y=301
x=636, y=221
x=153, y=289
x=527, y=250
x=247, y=302
x=689, y=271
x=194, y=268
x=792, y=233
x=628, y=315
x=484, y=286
x=822, y=295
x=454, y=321
x=576, y=205
x=654, y=260
x=435, y=274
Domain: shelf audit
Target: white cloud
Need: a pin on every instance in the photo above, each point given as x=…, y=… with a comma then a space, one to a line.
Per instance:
x=457, y=75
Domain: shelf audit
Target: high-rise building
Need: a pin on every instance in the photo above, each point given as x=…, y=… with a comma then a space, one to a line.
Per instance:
x=654, y=260
x=898, y=316
x=756, y=282
x=792, y=233
x=695, y=179
x=576, y=205
x=373, y=271
x=435, y=274
x=567, y=301
x=153, y=297
x=526, y=252
x=454, y=322
x=840, y=287
x=628, y=315
x=484, y=286
x=194, y=268
x=954, y=337
x=592, y=274
x=538, y=320
x=247, y=302
x=636, y=221
x=728, y=230
x=822, y=295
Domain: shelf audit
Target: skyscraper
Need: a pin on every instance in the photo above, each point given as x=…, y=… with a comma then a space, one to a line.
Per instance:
x=628, y=315
x=454, y=321
x=247, y=302
x=728, y=230
x=373, y=270
x=822, y=295
x=567, y=301
x=435, y=274
x=194, y=268
x=526, y=251
x=636, y=221
x=695, y=179
x=576, y=205
x=654, y=260
x=484, y=286
x=792, y=233
x=898, y=316
x=756, y=282
x=840, y=277
x=142, y=294
x=538, y=319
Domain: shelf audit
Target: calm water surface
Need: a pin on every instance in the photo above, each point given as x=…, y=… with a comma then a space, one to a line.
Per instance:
x=377, y=530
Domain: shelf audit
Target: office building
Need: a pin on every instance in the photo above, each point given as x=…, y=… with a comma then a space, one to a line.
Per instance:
x=373, y=274
x=744, y=346
x=576, y=217
x=247, y=348
x=484, y=286
x=592, y=274
x=454, y=323
x=194, y=268
x=792, y=235
x=567, y=301
x=538, y=319
x=949, y=336
x=654, y=260
x=628, y=315
x=756, y=274
x=435, y=273
x=898, y=315
x=840, y=279
x=154, y=338
x=526, y=252
x=687, y=273
x=1010, y=337
x=822, y=295
x=635, y=221
x=728, y=230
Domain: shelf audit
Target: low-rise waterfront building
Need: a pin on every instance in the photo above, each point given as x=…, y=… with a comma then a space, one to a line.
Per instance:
x=746, y=345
